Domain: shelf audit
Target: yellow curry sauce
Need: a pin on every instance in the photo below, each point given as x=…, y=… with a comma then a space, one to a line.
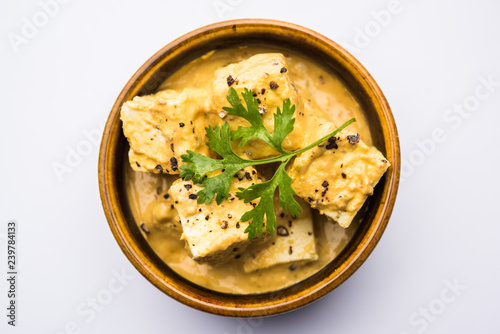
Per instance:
x=150, y=207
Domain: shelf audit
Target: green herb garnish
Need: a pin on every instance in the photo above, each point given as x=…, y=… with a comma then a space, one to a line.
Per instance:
x=220, y=141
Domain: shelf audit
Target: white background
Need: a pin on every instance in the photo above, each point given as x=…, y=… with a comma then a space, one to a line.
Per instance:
x=428, y=57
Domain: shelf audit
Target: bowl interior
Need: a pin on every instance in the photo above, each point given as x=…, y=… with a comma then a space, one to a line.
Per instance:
x=189, y=47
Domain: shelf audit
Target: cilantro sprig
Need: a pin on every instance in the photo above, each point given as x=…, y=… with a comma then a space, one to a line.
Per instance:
x=220, y=138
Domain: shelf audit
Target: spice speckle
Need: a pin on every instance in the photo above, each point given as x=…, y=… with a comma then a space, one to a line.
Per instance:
x=282, y=231
x=159, y=168
x=230, y=80
x=283, y=70
x=273, y=85
x=332, y=143
x=174, y=164
x=144, y=228
x=353, y=139
x=193, y=196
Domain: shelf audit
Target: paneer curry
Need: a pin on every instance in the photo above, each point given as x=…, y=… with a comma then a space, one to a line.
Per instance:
x=207, y=242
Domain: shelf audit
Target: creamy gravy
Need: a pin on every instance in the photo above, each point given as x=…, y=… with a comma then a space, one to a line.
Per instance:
x=146, y=191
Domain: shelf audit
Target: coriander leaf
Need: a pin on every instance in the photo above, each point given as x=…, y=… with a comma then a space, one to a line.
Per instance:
x=283, y=121
x=201, y=165
x=265, y=208
x=250, y=113
x=217, y=185
x=265, y=191
x=286, y=193
x=220, y=141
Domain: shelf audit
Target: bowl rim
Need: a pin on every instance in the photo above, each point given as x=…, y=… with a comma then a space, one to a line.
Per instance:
x=353, y=261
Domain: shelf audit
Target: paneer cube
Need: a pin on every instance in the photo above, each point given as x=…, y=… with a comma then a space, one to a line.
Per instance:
x=267, y=76
x=337, y=177
x=293, y=242
x=213, y=233
x=163, y=126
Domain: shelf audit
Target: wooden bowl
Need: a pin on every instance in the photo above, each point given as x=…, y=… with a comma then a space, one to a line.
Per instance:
x=178, y=53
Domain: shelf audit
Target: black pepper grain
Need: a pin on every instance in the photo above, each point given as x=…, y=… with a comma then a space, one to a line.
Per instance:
x=145, y=228
x=282, y=231
x=230, y=80
x=238, y=225
x=159, y=168
x=181, y=124
x=223, y=225
x=283, y=70
x=332, y=143
x=273, y=85
x=290, y=250
x=193, y=196
x=325, y=184
x=172, y=147
x=344, y=175
x=331, y=146
x=292, y=267
x=353, y=139
x=207, y=217
x=174, y=164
